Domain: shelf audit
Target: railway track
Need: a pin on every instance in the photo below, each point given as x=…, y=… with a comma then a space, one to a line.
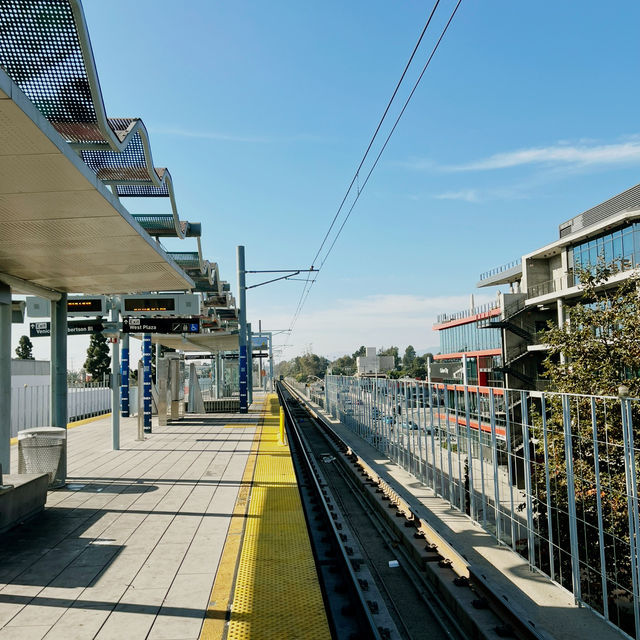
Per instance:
x=384, y=574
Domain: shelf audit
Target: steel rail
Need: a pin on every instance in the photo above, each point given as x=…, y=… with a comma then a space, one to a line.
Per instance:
x=507, y=619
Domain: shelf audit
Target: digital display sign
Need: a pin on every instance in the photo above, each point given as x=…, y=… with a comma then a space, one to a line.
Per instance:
x=88, y=305
x=149, y=305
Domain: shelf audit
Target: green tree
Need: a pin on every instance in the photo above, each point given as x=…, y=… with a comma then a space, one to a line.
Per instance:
x=344, y=366
x=303, y=368
x=600, y=341
x=594, y=353
x=391, y=351
x=24, y=350
x=98, y=360
x=409, y=357
x=360, y=353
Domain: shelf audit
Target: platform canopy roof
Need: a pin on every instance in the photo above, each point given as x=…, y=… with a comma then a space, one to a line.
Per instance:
x=201, y=342
x=61, y=228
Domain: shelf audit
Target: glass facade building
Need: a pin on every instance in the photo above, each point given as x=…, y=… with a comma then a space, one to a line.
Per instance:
x=621, y=246
x=467, y=337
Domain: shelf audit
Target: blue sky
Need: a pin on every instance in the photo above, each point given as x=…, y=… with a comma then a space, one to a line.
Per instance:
x=527, y=116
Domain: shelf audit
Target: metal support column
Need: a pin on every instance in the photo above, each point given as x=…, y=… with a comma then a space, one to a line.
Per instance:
x=146, y=382
x=218, y=375
x=124, y=374
x=242, y=331
x=59, y=371
x=115, y=375
x=571, y=497
x=5, y=377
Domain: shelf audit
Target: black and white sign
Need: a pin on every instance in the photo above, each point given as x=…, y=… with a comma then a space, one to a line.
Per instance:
x=132, y=324
x=446, y=370
x=74, y=328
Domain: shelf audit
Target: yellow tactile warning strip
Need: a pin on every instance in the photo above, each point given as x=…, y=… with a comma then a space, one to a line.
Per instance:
x=276, y=592
x=214, y=625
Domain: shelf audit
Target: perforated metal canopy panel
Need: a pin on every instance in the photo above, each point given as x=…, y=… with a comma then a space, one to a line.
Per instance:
x=209, y=342
x=142, y=191
x=186, y=259
x=113, y=166
x=60, y=227
x=41, y=51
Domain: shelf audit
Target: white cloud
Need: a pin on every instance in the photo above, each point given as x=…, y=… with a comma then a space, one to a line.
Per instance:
x=467, y=195
x=375, y=321
x=580, y=155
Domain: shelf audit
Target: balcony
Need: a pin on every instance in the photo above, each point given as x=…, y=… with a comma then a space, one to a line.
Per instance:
x=504, y=274
x=551, y=286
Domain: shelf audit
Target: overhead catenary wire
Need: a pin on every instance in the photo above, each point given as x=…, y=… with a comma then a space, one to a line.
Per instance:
x=386, y=142
x=307, y=286
x=375, y=133
x=310, y=282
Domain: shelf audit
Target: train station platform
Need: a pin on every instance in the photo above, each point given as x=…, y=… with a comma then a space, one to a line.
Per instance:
x=197, y=532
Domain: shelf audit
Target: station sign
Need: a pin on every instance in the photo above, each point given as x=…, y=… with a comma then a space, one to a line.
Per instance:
x=446, y=370
x=74, y=328
x=160, y=325
x=162, y=304
x=76, y=306
x=260, y=343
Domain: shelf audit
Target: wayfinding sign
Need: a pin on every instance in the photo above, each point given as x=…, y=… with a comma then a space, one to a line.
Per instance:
x=446, y=370
x=74, y=327
x=132, y=324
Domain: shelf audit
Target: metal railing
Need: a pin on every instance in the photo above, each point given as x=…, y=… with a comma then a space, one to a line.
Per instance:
x=30, y=404
x=553, y=476
x=550, y=286
x=504, y=267
x=458, y=315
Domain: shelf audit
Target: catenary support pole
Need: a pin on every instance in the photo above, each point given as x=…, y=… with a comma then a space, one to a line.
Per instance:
x=242, y=331
x=146, y=381
x=272, y=387
x=59, y=371
x=5, y=377
x=124, y=374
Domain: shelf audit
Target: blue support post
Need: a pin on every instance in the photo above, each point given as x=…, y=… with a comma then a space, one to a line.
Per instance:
x=146, y=381
x=249, y=365
x=124, y=373
x=242, y=332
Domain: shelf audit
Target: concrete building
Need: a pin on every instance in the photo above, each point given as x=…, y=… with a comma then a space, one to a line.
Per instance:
x=542, y=286
x=372, y=364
